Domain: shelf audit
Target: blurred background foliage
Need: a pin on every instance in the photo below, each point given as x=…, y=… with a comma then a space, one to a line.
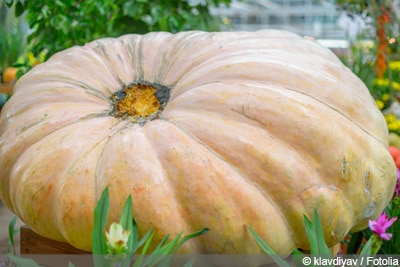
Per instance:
x=58, y=24
x=375, y=56
x=12, y=36
x=32, y=31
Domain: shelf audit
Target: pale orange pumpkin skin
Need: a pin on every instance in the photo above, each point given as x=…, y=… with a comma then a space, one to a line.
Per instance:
x=260, y=129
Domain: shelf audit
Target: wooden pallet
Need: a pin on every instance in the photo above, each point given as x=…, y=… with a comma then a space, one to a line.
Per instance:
x=32, y=243
x=47, y=252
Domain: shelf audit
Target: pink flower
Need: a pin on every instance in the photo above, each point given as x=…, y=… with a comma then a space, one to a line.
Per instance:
x=380, y=226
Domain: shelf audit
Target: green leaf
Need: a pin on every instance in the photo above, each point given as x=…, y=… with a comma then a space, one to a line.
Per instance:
x=297, y=252
x=190, y=236
x=366, y=251
x=139, y=261
x=298, y=256
x=165, y=239
x=173, y=24
x=158, y=256
x=367, y=248
x=9, y=3
x=160, y=252
x=147, y=238
x=148, y=242
x=19, y=9
x=189, y=263
x=12, y=232
x=99, y=245
x=267, y=249
x=126, y=221
x=70, y=264
x=167, y=249
x=316, y=236
x=22, y=262
x=154, y=258
x=133, y=10
x=135, y=234
x=137, y=245
x=159, y=260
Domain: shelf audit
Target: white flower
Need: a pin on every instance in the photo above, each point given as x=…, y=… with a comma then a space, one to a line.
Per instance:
x=117, y=239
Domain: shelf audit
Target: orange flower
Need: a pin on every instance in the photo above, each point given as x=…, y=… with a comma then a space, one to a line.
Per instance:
x=381, y=64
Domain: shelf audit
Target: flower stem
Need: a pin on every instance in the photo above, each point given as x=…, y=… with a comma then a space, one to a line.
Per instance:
x=376, y=244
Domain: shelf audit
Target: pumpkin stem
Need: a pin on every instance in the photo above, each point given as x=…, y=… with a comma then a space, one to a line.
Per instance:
x=139, y=102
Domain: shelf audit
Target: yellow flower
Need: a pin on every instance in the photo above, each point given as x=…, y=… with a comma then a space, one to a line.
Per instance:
x=394, y=65
x=385, y=97
x=382, y=82
x=31, y=58
x=392, y=122
x=379, y=103
x=396, y=86
x=390, y=118
x=394, y=126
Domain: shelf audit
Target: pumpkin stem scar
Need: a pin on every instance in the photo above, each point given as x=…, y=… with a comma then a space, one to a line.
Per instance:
x=139, y=102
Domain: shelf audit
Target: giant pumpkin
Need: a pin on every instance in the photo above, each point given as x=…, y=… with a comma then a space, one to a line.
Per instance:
x=217, y=130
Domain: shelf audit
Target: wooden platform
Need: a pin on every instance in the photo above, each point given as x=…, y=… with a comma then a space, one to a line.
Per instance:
x=47, y=252
x=32, y=243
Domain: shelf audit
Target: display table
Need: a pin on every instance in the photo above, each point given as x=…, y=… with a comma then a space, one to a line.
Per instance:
x=32, y=243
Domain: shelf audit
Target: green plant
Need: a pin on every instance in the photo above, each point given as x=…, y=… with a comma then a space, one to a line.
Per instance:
x=315, y=235
x=12, y=258
x=392, y=246
x=361, y=61
x=12, y=38
x=371, y=56
x=12, y=232
x=318, y=246
x=124, y=257
x=379, y=241
x=57, y=25
x=103, y=256
x=360, y=58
